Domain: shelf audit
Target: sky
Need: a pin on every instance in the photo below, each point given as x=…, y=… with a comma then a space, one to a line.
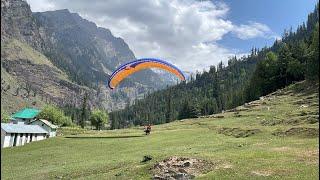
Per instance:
x=192, y=34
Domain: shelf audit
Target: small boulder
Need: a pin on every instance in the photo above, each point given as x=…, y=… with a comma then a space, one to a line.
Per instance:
x=187, y=164
x=181, y=176
x=181, y=170
x=146, y=158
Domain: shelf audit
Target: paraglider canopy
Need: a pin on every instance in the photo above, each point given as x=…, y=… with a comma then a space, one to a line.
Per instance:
x=134, y=66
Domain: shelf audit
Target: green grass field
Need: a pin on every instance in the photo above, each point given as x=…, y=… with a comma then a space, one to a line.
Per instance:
x=273, y=138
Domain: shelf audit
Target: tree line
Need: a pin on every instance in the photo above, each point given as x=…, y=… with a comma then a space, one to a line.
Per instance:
x=84, y=116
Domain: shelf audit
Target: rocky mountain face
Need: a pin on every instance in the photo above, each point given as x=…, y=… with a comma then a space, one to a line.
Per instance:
x=28, y=77
x=92, y=52
x=57, y=56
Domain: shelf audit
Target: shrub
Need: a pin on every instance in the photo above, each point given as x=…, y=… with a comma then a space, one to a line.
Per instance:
x=98, y=118
x=55, y=115
x=4, y=117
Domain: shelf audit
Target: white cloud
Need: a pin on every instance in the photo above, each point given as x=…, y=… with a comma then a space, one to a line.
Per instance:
x=175, y=30
x=252, y=30
x=41, y=5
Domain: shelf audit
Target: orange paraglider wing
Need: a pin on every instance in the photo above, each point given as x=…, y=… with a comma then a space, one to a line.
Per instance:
x=134, y=66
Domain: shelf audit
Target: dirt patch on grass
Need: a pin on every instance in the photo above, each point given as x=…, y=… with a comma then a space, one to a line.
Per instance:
x=261, y=144
x=224, y=166
x=263, y=173
x=238, y=132
x=309, y=156
x=180, y=168
x=241, y=108
x=298, y=131
x=306, y=119
x=271, y=122
x=212, y=116
x=281, y=149
x=311, y=153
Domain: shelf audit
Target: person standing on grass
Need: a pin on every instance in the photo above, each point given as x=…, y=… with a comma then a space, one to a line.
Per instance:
x=147, y=129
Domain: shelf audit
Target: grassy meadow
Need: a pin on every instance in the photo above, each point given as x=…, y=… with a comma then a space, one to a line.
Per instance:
x=272, y=138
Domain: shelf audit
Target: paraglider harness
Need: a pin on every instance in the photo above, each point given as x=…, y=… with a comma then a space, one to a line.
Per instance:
x=147, y=129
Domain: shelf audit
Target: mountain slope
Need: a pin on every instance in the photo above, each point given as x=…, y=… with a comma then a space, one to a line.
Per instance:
x=61, y=56
x=72, y=43
x=90, y=53
x=17, y=22
x=32, y=76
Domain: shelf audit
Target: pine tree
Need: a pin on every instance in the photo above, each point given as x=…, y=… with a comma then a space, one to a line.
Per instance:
x=189, y=111
x=285, y=56
x=313, y=58
x=169, y=107
x=84, y=110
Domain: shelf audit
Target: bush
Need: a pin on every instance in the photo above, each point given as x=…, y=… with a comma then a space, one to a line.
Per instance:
x=67, y=121
x=4, y=117
x=55, y=115
x=98, y=118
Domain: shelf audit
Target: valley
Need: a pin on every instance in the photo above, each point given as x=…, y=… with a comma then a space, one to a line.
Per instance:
x=275, y=137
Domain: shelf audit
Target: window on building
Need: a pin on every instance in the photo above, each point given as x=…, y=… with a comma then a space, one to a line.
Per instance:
x=26, y=139
x=21, y=135
x=31, y=137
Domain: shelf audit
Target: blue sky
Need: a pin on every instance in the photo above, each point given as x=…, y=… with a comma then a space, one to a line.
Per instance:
x=192, y=34
x=276, y=14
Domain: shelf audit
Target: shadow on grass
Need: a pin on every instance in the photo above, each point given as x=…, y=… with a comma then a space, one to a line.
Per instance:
x=103, y=137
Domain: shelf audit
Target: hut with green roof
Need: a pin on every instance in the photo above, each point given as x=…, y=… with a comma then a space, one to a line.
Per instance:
x=25, y=115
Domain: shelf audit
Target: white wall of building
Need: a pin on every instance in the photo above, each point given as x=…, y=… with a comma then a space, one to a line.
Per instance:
x=3, y=134
x=11, y=139
x=41, y=137
x=52, y=132
x=18, y=140
x=23, y=140
x=8, y=141
x=5, y=139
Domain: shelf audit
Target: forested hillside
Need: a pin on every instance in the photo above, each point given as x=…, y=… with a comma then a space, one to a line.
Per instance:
x=293, y=58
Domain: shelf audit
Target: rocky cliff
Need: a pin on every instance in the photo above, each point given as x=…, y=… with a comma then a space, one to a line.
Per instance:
x=17, y=22
x=92, y=52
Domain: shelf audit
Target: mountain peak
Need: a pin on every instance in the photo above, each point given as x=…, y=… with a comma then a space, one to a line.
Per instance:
x=62, y=11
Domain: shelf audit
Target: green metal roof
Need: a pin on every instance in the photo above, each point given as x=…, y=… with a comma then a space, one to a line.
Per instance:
x=26, y=113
